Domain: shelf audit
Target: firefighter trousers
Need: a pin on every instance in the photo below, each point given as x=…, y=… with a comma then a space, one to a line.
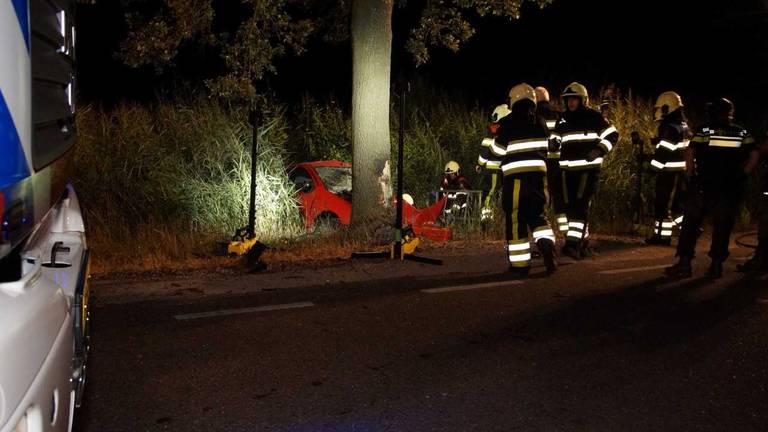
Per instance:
x=491, y=183
x=668, y=203
x=579, y=187
x=524, y=201
x=555, y=190
x=723, y=203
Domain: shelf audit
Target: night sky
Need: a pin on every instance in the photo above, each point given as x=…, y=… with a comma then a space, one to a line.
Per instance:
x=700, y=49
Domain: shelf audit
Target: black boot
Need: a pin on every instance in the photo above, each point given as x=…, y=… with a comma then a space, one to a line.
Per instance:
x=547, y=249
x=658, y=240
x=715, y=270
x=519, y=272
x=755, y=264
x=585, y=251
x=680, y=270
x=572, y=250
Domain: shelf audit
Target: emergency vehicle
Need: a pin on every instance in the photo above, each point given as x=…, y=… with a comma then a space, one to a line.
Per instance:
x=43, y=251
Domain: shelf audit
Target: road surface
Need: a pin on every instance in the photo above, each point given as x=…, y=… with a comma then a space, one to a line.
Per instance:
x=604, y=344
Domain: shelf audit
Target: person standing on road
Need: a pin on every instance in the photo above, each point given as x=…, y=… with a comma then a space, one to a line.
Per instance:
x=491, y=170
x=721, y=156
x=669, y=164
x=583, y=137
x=554, y=174
x=521, y=149
x=759, y=261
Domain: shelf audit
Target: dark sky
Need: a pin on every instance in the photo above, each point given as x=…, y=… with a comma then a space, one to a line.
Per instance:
x=701, y=49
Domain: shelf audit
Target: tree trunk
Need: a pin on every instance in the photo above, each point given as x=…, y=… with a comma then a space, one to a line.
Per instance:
x=371, y=150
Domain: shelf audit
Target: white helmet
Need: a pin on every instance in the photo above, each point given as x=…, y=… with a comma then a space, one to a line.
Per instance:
x=452, y=167
x=521, y=92
x=499, y=113
x=667, y=103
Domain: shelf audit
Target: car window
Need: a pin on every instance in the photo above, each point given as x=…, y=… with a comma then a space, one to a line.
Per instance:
x=336, y=179
x=301, y=179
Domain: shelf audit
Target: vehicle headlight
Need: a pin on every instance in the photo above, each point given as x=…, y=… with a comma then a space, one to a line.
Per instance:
x=21, y=426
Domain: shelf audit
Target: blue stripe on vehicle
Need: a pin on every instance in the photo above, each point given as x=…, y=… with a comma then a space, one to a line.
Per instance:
x=13, y=164
x=22, y=14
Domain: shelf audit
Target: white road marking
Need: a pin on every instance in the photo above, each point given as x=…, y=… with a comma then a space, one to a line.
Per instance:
x=471, y=287
x=634, y=269
x=225, y=312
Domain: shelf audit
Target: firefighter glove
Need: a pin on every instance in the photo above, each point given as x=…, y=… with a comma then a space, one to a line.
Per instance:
x=594, y=154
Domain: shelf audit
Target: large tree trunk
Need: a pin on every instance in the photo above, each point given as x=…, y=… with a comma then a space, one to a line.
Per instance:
x=371, y=61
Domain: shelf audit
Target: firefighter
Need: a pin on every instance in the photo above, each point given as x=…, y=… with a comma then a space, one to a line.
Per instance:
x=669, y=164
x=721, y=156
x=490, y=168
x=584, y=137
x=554, y=175
x=521, y=149
x=453, y=182
x=759, y=260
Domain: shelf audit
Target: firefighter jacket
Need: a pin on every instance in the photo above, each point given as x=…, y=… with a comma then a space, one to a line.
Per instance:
x=521, y=146
x=720, y=153
x=672, y=140
x=485, y=159
x=454, y=182
x=579, y=135
x=550, y=116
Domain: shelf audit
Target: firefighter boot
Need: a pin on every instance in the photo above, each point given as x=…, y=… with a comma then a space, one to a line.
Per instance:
x=680, y=270
x=758, y=262
x=658, y=240
x=519, y=272
x=715, y=270
x=547, y=249
x=572, y=249
x=585, y=251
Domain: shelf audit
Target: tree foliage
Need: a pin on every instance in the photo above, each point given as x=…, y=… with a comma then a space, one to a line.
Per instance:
x=447, y=23
x=264, y=31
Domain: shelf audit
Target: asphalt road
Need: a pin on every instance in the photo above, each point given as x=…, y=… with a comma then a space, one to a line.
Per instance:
x=605, y=344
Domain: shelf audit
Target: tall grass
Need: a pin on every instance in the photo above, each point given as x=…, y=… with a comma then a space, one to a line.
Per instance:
x=169, y=179
x=164, y=182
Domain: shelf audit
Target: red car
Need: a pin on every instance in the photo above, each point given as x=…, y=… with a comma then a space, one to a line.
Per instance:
x=325, y=191
x=325, y=195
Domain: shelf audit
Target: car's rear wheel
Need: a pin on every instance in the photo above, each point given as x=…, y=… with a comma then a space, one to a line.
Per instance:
x=327, y=221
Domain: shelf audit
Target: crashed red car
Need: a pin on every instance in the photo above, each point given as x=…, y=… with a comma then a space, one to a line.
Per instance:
x=325, y=196
x=325, y=191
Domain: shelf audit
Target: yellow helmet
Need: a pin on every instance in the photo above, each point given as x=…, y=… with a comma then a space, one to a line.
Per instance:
x=499, y=113
x=521, y=92
x=666, y=103
x=575, y=89
x=452, y=167
x=542, y=94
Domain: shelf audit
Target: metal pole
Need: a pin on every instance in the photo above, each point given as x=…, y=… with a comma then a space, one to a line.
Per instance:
x=640, y=155
x=254, y=155
x=400, y=163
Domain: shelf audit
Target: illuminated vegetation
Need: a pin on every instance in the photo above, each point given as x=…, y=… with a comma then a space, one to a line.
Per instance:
x=176, y=179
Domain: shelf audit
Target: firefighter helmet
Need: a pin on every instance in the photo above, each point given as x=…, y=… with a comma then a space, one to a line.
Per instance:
x=720, y=108
x=452, y=167
x=521, y=92
x=542, y=94
x=667, y=103
x=408, y=198
x=575, y=89
x=499, y=113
